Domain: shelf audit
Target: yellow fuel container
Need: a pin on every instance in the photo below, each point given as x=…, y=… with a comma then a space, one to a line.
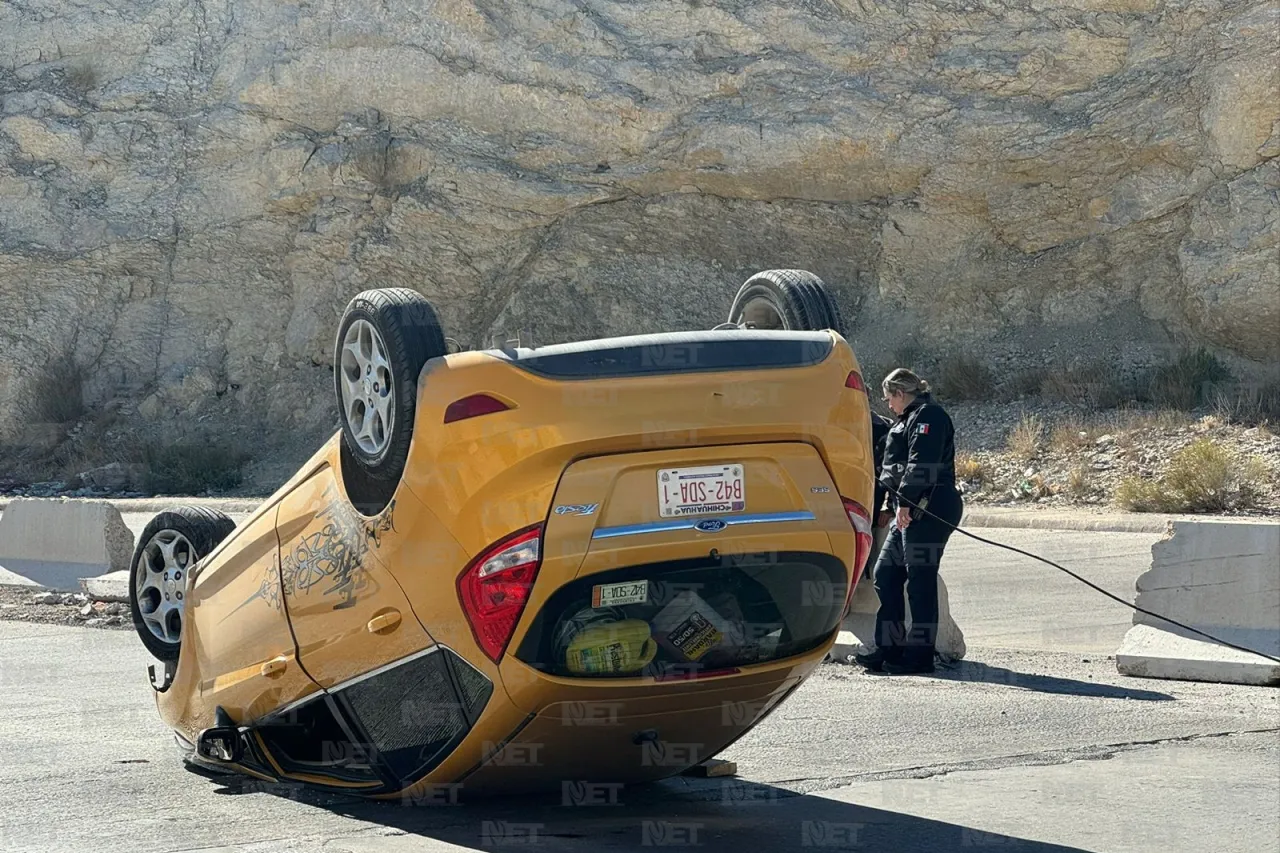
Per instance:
x=611, y=648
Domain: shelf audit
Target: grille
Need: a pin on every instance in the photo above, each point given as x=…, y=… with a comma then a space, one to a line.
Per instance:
x=475, y=688
x=411, y=714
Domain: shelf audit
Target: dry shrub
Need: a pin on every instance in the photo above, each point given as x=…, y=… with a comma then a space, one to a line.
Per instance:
x=100, y=441
x=1189, y=381
x=970, y=467
x=191, y=468
x=966, y=378
x=1026, y=438
x=1129, y=424
x=1202, y=477
x=1072, y=435
x=1078, y=484
x=1026, y=383
x=1070, y=383
x=1095, y=384
x=57, y=395
x=1249, y=405
x=1168, y=419
x=1138, y=495
x=907, y=355
x=81, y=76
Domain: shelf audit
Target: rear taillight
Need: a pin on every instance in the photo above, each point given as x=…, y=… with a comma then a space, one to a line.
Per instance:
x=495, y=586
x=470, y=407
x=861, y=520
x=854, y=381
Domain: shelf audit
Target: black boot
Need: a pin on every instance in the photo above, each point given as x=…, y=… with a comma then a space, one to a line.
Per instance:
x=919, y=663
x=874, y=660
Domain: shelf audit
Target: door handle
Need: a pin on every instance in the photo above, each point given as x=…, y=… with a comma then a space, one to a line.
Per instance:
x=275, y=665
x=383, y=622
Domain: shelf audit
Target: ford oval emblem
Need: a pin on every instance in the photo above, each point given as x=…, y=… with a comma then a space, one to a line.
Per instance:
x=711, y=525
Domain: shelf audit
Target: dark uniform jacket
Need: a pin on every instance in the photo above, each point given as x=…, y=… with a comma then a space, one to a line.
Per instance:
x=920, y=454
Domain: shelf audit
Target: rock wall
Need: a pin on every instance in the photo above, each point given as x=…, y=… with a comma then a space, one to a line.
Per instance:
x=190, y=190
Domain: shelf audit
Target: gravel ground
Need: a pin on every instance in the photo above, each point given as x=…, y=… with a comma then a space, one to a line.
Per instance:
x=1082, y=457
x=20, y=604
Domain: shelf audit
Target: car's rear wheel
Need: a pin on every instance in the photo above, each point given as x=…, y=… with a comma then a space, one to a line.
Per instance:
x=785, y=299
x=170, y=546
x=385, y=338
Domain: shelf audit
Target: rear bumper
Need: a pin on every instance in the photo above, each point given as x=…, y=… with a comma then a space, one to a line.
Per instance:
x=567, y=733
x=539, y=732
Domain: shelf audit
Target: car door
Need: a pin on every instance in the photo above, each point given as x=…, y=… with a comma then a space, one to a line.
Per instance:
x=239, y=630
x=348, y=613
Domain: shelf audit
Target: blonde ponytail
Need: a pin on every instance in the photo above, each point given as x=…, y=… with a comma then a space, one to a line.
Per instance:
x=905, y=381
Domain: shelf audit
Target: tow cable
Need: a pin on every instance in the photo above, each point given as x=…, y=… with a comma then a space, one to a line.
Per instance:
x=1087, y=583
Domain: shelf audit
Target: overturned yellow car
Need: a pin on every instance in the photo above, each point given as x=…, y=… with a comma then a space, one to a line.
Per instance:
x=599, y=561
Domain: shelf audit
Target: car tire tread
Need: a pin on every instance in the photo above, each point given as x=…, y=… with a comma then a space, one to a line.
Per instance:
x=801, y=298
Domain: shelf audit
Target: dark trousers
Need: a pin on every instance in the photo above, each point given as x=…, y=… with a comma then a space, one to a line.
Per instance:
x=909, y=560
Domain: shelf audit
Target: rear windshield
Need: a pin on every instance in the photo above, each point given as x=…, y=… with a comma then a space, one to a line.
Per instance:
x=679, y=619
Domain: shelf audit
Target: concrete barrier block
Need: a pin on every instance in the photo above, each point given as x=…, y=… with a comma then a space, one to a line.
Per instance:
x=8, y=578
x=55, y=543
x=1220, y=577
x=113, y=586
x=1174, y=654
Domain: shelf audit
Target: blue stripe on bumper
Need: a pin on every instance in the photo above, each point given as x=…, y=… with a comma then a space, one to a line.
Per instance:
x=691, y=523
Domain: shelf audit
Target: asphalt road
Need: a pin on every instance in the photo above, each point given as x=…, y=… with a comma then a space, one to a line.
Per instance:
x=1032, y=744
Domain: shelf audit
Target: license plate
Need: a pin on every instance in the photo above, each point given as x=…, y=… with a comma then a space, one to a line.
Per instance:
x=701, y=490
x=615, y=594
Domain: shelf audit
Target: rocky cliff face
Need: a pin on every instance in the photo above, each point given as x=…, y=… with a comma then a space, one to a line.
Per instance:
x=190, y=190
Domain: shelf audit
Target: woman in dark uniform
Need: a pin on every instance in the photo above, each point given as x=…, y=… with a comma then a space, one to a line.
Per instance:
x=918, y=472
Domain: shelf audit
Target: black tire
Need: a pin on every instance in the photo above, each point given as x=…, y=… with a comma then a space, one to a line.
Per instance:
x=410, y=331
x=826, y=309
x=793, y=299
x=203, y=529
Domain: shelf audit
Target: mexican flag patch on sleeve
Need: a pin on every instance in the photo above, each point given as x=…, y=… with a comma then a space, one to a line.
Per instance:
x=923, y=429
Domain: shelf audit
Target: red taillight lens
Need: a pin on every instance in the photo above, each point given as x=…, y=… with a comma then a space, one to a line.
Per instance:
x=854, y=381
x=495, y=586
x=470, y=407
x=861, y=521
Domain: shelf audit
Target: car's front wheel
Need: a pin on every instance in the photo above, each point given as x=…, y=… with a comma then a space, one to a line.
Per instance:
x=170, y=546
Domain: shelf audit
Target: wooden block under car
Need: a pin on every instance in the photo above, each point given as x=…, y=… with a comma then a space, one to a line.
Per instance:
x=713, y=767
